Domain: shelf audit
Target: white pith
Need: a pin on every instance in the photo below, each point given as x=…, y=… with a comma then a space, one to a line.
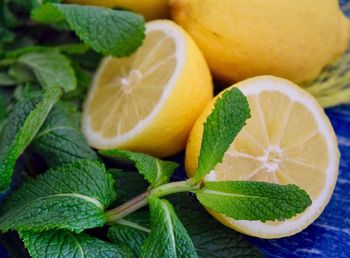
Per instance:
x=289, y=227
x=97, y=140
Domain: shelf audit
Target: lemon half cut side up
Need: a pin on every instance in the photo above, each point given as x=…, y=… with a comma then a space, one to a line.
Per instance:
x=288, y=140
x=148, y=102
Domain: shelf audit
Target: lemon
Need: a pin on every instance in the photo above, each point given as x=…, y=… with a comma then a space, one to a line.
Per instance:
x=241, y=39
x=148, y=102
x=150, y=9
x=287, y=140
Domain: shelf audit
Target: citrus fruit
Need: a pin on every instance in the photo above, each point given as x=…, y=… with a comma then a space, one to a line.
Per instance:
x=148, y=102
x=150, y=9
x=241, y=39
x=287, y=140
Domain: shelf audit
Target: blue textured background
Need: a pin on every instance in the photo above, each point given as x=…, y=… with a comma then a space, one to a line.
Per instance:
x=329, y=235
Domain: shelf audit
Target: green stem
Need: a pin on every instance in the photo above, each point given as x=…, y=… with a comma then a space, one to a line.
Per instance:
x=174, y=187
x=112, y=216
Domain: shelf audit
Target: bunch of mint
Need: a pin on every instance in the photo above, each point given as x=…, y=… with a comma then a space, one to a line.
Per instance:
x=67, y=200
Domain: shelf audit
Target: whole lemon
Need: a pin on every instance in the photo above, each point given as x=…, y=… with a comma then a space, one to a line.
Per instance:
x=150, y=9
x=240, y=38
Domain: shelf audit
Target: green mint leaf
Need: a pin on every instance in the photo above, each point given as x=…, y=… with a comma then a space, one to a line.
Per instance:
x=21, y=73
x=47, y=13
x=6, y=80
x=3, y=111
x=60, y=140
x=109, y=32
x=37, y=3
x=223, y=124
x=20, y=128
x=16, y=53
x=6, y=36
x=5, y=99
x=128, y=185
x=51, y=68
x=131, y=231
x=248, y=200
x=168, y=237
x=155, y=171
x=72, y=197
x=210, y=238
x=72, y=48
x=63, y=243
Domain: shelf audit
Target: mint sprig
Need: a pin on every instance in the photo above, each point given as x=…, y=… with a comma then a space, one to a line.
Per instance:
x=235, y=199
x=76, y=196
x=109, y=32
x=20, y=128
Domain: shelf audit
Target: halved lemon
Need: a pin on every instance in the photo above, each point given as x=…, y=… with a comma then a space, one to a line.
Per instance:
x=288, y=140
x=148, y=102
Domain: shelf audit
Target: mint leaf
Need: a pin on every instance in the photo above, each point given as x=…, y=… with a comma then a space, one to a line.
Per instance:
x=21, y=73
x=5, y=99
x=63, y=243
x=59, y=140
x=210, y=238
x=109, y=32
x=155, y=171
x=226, y=120
x=16, y=53
x=72, y=197
x=6, y=80
x=51, y=68
x=248, y=200
x=71, y=48
x=128, y=185
x=3, y=112
x=131, y=231
x=47, y=13
x=168, y=237
x=20, y=128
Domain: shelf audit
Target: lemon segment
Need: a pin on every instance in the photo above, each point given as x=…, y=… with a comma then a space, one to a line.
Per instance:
x=148, y=102
x=287, y=140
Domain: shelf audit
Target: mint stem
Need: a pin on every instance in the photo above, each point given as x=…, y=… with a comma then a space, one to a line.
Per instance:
x=112, y=216
x=127, y=208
